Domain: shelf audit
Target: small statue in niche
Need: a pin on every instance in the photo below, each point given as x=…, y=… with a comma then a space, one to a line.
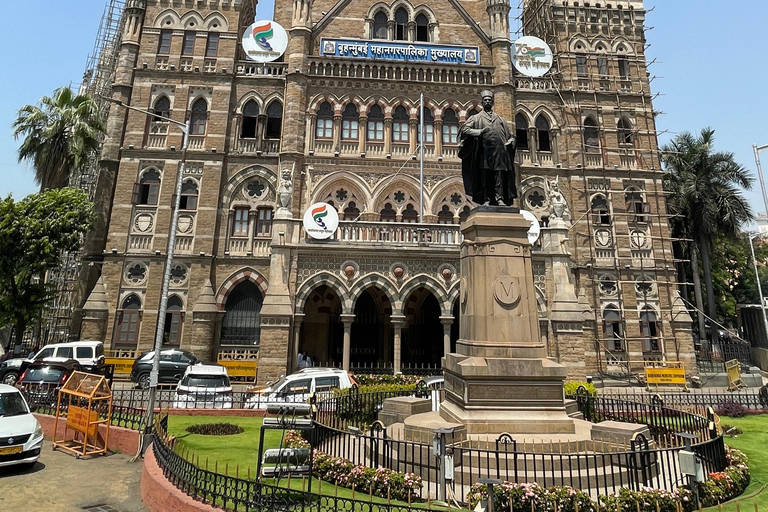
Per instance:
x=558, y=207
x=285, y=190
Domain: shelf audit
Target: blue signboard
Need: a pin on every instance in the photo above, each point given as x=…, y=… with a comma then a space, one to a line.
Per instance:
x=402, y=51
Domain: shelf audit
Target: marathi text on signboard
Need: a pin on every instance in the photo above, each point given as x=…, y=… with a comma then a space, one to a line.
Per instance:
x=80, y=419
x=393, y=50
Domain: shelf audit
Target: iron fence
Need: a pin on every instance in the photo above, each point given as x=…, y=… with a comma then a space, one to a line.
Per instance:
x=593, y=466
x=749, y=399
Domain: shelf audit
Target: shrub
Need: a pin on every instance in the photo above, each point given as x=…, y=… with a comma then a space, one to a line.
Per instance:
x=571, y=387
x=383, y=482
x=514, y=496
x=373, y=380
x=627, y=500
x=215, y=429
x=732, y=409
x=722, y=486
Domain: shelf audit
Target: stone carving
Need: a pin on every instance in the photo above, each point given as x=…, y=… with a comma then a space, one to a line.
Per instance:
x=506, y=291
x=285, y=191
x=558, y=206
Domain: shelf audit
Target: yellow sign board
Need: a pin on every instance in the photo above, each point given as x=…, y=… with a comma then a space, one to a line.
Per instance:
x=82, y=420
x=733, y=369
x=123, y=366
x=665, y=375
x=245, y=369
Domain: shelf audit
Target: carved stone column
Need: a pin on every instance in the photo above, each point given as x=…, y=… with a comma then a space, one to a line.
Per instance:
x=347, y=320
x=388, y=137
x=437, y=135
x=447, y=322
x=397, y=323
x=95, y=314
x=298, y=319
x=362, y=129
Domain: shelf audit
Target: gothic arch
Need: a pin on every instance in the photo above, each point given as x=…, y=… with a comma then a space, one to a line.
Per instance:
x=426, y=11
x=383, y=284
x=379, y=6
x=542, y=110
x=351, y=98
x=425, y=281
x=167, y=19
x=331, y=281
x=405, y=4
x=216, y=18
x=247, y=273
x=343, y=179
x=623, y=43
x=446, y=188
x=382, y=189
x=322, y=98
x=245, y=98
x=578, y=44
x=244, y=174
x=192, y=21
x=541, y=303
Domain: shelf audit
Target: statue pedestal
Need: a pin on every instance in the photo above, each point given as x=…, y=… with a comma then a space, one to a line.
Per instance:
x=499, y=379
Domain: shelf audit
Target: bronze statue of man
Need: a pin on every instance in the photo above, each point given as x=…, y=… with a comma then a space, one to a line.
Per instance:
x=487, y=152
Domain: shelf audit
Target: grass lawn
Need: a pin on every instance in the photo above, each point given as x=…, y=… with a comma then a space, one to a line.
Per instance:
x=754, y=443
x=229, y=451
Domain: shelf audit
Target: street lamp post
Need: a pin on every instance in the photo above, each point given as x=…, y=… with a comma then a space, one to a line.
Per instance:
x=153, y=376
x=757, y=149
x=759, y=286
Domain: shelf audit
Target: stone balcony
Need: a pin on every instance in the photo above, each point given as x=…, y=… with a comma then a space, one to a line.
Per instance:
x=398, y=234
x=251, y=247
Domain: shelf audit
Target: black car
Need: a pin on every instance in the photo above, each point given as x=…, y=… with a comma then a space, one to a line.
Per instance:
x=41, y=380
x=173, y=364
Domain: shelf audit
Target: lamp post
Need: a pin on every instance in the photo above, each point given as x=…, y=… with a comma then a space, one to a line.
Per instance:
x=153, y=376
x=757, y=149
x=759, y=286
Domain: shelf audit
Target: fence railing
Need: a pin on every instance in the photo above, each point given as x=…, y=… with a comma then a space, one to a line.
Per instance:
x=593, y=466
x=749, y=399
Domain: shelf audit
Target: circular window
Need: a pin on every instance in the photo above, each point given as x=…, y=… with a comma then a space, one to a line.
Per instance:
x=179, y=274
x=399, y=197
x=136, y=273
x=535, y=198
x=341, y=195
x=255, y=188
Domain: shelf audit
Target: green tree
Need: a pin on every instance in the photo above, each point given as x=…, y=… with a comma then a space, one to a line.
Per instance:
x=705, y=192
x=733, y=274
x=33, y=234
x=60, y=136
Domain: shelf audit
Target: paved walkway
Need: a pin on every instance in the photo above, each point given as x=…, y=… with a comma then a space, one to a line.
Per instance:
x=61, y=483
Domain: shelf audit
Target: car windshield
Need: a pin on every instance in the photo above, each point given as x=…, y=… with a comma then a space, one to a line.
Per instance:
x=12, y=404
x=277, y=384
x=206, y=381
x=44, y=374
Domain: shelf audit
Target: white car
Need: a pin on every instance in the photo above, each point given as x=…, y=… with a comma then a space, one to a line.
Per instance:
x=21, y=436
x=204, y=386
x=299, y=386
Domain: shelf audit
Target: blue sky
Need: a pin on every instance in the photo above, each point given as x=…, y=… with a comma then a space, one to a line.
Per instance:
x=711, y=63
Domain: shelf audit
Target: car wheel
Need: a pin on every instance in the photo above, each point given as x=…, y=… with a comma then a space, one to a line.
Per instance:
x=10, y=378
x=143, y=381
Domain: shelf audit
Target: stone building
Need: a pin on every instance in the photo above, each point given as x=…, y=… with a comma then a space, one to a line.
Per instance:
x=337, y=125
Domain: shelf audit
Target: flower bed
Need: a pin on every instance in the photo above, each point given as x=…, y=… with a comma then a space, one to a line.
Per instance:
x=524, y=497
x=381, y=482
x=723, y=486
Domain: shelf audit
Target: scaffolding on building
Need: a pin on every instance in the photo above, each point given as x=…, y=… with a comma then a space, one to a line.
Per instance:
x=96, y=83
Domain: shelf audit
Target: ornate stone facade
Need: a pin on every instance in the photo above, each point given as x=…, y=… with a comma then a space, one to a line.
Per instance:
x=384, y=291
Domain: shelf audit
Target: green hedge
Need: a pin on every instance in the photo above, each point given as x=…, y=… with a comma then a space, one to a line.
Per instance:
x=374, y=380
x=571, y=387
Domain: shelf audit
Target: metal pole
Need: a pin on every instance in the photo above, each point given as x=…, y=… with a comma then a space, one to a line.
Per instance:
x=757, y=149
x=421, y=158
x=153, y=376
x=759, y=286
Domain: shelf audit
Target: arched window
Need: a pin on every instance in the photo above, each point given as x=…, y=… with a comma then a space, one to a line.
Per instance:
x=601, y=215
x=410, y=214
x=650, y=330
x=173, y=319
x=472, y=112
x=613, y=330
x=242, y=321
x=542, y=134
x=450, y=127
x=375, y=124
x=274, y=120
x=429, y=127
x=581, y=65
x=591, y=136
x=250, y=119
x=464, y=213
x=380, y=25
x=264, y=221
x=351, y=212
x=422, y=28
x=521, y=131
x=388, y=214
x=147, y=189
x=162, y=108
x=324, y=128
x=199, y=116
x=349, y=122
x=189, y=193
x=400, y=125
x=637, y=209
x=401, y=21
x=445, y=216
x=624, y=132
x=128, y=322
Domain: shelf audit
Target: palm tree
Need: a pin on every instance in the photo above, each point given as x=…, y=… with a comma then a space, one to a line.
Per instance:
x=705, y=192
x=60, y=136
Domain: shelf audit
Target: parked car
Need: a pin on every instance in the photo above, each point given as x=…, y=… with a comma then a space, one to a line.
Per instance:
x=42, y=380
x=204, y=386
x=299, y=386
x=21, y=436
x=173, y=365
x=90, y=355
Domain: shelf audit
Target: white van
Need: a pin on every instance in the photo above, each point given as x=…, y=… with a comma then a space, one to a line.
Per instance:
x=90, y=354
x=299, y=386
